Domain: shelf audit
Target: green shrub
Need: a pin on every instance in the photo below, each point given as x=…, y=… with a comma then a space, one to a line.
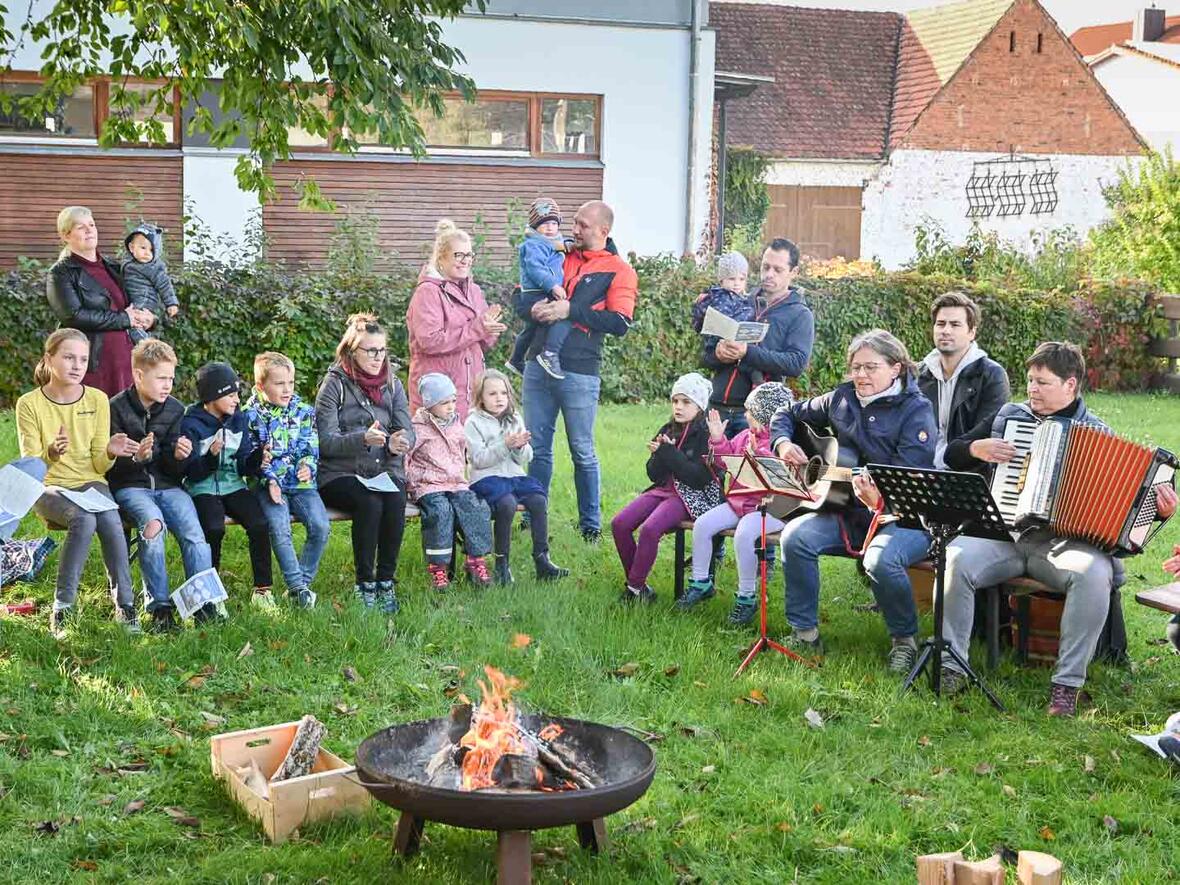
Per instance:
x=231, y=313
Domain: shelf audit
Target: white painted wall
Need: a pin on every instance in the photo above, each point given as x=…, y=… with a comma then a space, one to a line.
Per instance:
x=211, y=193
x=1148, y=92
x=822, y=173
x=922, y=187
x=642, y=74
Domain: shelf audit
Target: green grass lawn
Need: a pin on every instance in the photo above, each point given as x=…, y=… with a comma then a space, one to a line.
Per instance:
x=743, y=792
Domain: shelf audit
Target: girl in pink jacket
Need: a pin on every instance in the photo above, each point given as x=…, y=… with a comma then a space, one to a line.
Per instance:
x=450, y=324
x=738, y=512
x=436, y=472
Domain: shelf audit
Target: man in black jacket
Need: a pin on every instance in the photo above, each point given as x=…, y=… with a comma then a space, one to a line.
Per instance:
x=782, y=354
x=965, y=387
x=146, y=485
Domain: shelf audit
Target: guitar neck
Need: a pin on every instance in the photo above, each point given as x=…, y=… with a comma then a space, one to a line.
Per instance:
x=838, y=474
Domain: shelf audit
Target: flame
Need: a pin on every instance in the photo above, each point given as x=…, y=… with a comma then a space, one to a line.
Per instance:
x=550, y=731
x=493, y=731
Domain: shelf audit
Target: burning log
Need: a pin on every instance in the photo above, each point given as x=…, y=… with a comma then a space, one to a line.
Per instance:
x=552, y=757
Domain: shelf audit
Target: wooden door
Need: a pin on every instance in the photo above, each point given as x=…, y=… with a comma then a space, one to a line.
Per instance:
x=823, y=221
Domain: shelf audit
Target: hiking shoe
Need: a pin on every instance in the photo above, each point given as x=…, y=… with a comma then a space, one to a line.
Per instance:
x=503, y=572
x=303, y=597
x=126, y=618
x=366, y=592
x=163, y=620
x=813, y=648
x=697, y=592
x=951, y=682
x=263, y=599
x=387, y=597
x=551, y=363
x=58, y=622
x=209, y=613
x=546, y=570
x=439, y=579
x=644, y=595
x=1064, y=700
x=591, y=536
x=902, y=656
x=743, y=611
x=477, y=571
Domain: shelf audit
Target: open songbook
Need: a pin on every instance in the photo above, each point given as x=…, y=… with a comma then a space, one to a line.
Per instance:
x=765, y=474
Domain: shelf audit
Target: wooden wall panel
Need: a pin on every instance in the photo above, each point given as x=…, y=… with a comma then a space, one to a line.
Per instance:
x=35, y=187
x=823, y=221
x=408, y=198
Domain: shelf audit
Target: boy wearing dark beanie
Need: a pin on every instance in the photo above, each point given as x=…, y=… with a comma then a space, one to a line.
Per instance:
x=542, y=256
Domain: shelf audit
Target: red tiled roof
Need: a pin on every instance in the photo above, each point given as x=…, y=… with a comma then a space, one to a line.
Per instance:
x=833, y=71
x=1092, y=40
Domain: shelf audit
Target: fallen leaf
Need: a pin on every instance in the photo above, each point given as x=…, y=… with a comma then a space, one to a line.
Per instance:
x=448, y=668
x=211, y=720
x=522, y=640
x=161, y=666
x=277, y=644
x=1010, y=792
x=182, y=817
x=924, y=741
x=337, y=606
x=817, y=809
x=783, y=827
x=1047, y=834
x=700, y=684
x=1114, y=754
x=246, y=651
x=708, y=769
x=60, y=753
x=636, y=826
x=814, y=719
x=87, y=865
x=1112, y=825
x=1089, y=764
x=103, y=800
x=685, y=821
x=350, y=674
x=344, y=709
x=451, y=689
x=671, y=671
x=627, y=670
x=306, y=658
x=47, y=827
x=984, y=768
x=757, y=697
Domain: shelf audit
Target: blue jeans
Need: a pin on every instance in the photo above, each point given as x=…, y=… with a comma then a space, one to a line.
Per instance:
x=576, y=398
x=174, y=509
x=890, y=553
x=306, y=507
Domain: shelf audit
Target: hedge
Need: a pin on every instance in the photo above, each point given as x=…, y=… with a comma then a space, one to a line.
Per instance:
x=230, y=313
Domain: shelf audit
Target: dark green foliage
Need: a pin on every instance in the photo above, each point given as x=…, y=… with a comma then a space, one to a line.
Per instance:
x=746, y=198
x=232, y=313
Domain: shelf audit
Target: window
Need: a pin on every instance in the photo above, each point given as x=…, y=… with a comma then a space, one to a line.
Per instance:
x=569, y=126
x=1040, y=42
x=484, y=123
x=1011, y=41
x=72, y=118
x=298, y=137
x=146, y=110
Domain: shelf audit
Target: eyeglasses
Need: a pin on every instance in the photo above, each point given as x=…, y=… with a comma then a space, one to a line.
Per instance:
x=373, y=352
x=463, y=256
x=865, y=368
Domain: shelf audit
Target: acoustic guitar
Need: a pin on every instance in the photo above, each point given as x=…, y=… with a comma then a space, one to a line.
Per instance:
x=828, y=473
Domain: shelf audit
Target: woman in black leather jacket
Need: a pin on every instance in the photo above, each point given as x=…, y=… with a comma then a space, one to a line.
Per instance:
x=85, y=290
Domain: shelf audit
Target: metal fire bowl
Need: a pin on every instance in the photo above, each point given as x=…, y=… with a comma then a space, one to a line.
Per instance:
x=392, y=763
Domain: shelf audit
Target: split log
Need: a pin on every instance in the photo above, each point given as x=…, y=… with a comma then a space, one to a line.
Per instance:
x=980, y=872
x=1038, y=868
x=938, y=869
x=556, y=760
x=304, y=750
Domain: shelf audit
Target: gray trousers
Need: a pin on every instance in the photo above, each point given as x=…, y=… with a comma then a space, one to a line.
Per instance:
x=80, y=528
x=1083, y=573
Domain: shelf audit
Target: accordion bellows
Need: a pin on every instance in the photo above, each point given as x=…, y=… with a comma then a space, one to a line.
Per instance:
x=1083, y=482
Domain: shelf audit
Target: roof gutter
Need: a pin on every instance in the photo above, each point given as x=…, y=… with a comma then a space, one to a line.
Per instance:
x=690, y=190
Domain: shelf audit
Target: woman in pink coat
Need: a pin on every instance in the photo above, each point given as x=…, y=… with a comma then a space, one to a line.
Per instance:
x=450, y=324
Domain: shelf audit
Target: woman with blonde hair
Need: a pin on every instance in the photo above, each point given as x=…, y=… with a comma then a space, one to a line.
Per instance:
x=85, y=290
x=449, y=322
x=68, y=425
x=365, y=432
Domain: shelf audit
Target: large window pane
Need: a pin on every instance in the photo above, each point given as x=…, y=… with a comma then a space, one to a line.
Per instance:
x=72, y=118
x=146, y=111
x=299, y=137
x=484, y=123
x=568, y=126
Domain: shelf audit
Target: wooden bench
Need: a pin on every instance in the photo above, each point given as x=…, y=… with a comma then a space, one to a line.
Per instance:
x=1165, y=598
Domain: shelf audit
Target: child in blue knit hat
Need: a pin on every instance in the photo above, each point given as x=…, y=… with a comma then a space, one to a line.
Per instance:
x=542, y=260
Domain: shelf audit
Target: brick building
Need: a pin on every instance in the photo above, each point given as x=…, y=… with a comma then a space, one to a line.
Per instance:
x=978, y=113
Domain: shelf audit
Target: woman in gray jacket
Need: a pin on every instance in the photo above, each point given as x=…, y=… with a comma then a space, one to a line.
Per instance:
x=363, y=422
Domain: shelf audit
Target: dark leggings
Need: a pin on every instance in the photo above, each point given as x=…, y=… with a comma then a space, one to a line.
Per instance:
x=378, y=523
x=242, y=506
x=505, y=511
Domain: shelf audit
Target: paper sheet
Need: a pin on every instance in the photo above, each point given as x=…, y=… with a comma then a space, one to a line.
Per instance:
x=90, y=500
x=18, y=492
x=201, y=588
x=717, y=323
x=382, y=482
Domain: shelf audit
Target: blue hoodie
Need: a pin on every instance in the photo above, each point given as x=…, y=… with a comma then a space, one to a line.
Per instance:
x=224, y=473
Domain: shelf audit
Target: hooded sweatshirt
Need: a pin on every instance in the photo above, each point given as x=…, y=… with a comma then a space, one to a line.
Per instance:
x=946, y=393
x=294, y=442
x=223, y=473
x=147, y=283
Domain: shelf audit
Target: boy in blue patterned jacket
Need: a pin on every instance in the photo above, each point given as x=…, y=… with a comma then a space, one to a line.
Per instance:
x=284, y=427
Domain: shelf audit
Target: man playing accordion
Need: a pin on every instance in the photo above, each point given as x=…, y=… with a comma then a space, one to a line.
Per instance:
x=1082, y=572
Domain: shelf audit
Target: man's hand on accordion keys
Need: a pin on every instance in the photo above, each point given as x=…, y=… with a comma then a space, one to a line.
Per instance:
x=1165, y=503
x=993, y=450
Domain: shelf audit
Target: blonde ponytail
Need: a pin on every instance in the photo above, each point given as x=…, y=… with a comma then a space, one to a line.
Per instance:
x=446, y=232
x=67, y=218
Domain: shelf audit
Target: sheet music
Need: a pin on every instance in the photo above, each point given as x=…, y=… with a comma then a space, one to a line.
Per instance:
x=91, y=500
x=765, y=473
x=18, y=493
x=717, y=323
x=382, y=482
x=202, y=588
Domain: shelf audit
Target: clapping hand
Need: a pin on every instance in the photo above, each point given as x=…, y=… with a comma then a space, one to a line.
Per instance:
x=398, y=443
x=145, y=449
x=1172, y=563
x=183, y=448
x=172, y=310
x=716, y=425
x=267, y=457
x=122, y=446
x=374, y=435
x=730, y=351
x=517, y=440
x=218, y=443
x=659, y=441
x=59, y=445
x=303, y=474
x=491, y=320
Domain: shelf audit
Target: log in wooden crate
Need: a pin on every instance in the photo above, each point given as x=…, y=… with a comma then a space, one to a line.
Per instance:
x=980, y=872
x=330, y=789
x=1038, y=868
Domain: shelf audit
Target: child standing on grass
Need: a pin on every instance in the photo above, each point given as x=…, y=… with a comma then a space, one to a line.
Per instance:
x=68, y=425
x=435, y=471
x=739, y=512
x=498, y=445
x=683, y=486
x=542, y=261
x=221, y=456
x=281, y=423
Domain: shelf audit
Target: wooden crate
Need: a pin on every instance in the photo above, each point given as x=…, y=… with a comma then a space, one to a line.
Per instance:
x=330, y=789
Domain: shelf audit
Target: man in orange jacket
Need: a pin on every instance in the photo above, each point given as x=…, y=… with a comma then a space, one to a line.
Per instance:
x=602, y=289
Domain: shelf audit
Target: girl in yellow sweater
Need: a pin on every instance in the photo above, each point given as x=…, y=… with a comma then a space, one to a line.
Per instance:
x=68, y=425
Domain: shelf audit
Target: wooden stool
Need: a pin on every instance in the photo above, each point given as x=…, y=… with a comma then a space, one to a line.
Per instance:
x=1165, y=598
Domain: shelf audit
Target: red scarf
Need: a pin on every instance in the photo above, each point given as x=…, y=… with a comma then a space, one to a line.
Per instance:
x=372, y=385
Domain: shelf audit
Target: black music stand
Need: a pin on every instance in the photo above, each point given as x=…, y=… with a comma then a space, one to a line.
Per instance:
x=945, y=504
